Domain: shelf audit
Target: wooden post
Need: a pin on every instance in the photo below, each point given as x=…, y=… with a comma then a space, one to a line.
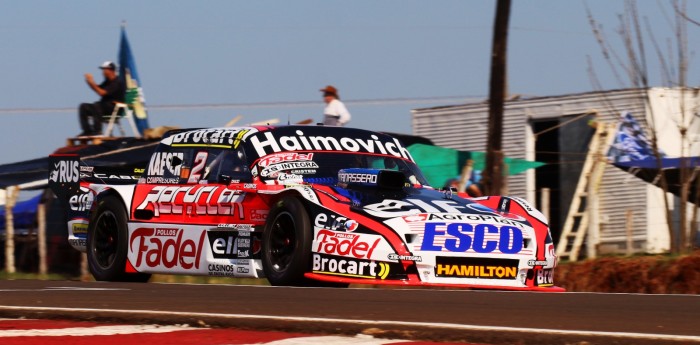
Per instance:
x=10, y=200
x=41, y=237
x=593, y=209
x=629, y=225
x=544, y=202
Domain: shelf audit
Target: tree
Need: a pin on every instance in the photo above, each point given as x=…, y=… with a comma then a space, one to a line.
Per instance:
x=633, y=63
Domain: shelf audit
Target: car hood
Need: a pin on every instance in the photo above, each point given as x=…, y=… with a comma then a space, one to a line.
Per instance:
x=423, y=204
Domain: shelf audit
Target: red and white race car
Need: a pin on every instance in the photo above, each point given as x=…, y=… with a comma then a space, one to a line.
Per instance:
x=298, y=205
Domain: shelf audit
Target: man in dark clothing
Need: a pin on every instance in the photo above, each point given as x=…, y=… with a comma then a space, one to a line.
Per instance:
x=111, y=90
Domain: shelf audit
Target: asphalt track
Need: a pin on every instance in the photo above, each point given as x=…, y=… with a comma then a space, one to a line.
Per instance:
x=446, y=315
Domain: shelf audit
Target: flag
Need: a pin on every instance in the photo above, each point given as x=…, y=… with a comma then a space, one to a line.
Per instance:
x=134, y=91
x=631, y=142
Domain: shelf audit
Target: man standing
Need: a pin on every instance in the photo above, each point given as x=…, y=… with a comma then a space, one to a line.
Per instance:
x=111, y=90
x=335, y=113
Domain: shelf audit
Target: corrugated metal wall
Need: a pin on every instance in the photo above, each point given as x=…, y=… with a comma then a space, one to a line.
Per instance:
x=465, y=127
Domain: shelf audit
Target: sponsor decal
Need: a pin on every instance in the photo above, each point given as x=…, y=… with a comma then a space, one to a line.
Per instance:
x=258, y=214
x=169, y=248
x=77, y=242
x=474, y=217
x=246, y=227
x=65, y=171
x=284, y=158
x=229, y=244
x=83, y=201
x=394, y=256
x=274, y=169
x=357, y=177
x=545, y=277
x=303, y=171
x=221, y=270
x=165, y=162
x=224, y=138
x=193, y=200
x=266, y=143
x=114, y=177
x=162, y=180
x=350, y=267
x=281, y=176
x=333, y=222
x=359, y=246
x=250, y=186
x=86, y=171
x=80, y=229
x=64, y=176
x=456, y=267
x=533, y=262
x=461, y=237
x=351, y=225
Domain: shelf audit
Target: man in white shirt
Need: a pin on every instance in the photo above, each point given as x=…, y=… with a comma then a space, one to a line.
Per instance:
x=335, y=113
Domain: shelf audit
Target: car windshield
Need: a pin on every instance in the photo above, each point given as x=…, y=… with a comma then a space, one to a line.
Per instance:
x=315, y=165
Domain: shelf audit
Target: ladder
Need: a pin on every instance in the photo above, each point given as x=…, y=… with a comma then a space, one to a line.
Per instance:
x=579, y=216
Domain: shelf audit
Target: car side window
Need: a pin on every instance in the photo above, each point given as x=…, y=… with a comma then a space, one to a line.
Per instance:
x=226, y=166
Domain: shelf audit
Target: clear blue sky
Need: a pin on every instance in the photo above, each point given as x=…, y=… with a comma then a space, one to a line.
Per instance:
x=242, y=52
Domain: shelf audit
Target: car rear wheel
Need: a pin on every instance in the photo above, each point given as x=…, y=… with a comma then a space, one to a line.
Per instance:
x=107, y=243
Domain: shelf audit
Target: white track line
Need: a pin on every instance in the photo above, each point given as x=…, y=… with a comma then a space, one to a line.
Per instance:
x=336, y=340
x=91, y=331
x=628, y=335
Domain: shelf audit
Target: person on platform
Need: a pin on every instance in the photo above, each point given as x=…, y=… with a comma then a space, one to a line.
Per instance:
x=335, y=113
x=111, y=90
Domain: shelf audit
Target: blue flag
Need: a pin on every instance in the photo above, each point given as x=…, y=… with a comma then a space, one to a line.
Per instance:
x=631, y=142
x=134, y=91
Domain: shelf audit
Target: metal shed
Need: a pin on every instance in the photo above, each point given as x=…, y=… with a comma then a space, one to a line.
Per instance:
x=556, y=130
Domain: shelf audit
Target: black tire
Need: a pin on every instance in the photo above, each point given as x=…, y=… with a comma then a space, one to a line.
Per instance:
x=286, y=243
x=107, y=243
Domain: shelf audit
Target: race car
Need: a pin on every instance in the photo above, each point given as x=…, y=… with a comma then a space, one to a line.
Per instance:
x=300, y=206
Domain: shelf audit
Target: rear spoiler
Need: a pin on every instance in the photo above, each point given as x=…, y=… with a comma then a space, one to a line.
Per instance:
x=66, y=171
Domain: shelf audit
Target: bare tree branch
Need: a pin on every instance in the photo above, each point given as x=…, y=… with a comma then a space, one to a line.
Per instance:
x=600, y=38
x=683, y=14
x=665, y=72
x=662, y=8
x=634, y=14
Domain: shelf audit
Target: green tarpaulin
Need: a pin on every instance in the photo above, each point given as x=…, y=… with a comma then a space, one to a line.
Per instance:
x=440, y=164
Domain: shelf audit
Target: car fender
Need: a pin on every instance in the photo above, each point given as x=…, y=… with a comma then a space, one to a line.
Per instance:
x=124, y=192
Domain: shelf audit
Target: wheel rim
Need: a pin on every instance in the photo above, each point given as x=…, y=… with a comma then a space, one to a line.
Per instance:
x=282, y=241
x=105, y=240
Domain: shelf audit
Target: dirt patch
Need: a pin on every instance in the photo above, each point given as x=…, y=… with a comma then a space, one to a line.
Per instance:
x=641, y=274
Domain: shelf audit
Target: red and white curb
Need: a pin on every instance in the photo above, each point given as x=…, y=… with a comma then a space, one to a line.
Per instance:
x=61, y=332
